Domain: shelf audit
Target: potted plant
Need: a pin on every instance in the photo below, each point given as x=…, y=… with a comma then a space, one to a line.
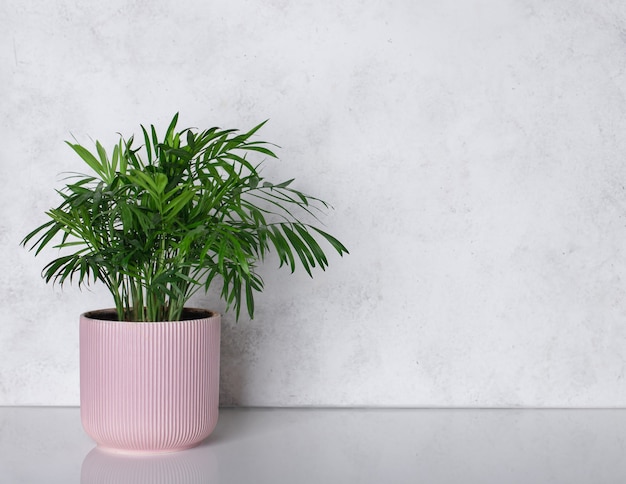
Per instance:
x=156, y=223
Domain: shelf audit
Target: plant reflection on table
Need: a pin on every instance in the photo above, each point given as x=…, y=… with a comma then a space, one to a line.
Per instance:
x=197, y=465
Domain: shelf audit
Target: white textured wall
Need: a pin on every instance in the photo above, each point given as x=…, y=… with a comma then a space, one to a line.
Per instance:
x=474, y=151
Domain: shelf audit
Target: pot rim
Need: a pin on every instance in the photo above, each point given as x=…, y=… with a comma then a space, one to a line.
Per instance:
x=110, y=316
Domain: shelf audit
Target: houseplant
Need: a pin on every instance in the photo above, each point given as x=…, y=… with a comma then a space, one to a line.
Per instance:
x=156, y=223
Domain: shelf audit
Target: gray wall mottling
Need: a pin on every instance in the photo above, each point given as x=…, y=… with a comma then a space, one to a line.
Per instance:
x=473, y=150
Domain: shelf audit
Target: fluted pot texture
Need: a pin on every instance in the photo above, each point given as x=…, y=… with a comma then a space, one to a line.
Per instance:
x=149, y=387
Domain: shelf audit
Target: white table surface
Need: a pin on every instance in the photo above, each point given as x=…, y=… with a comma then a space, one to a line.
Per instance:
x=300, y=446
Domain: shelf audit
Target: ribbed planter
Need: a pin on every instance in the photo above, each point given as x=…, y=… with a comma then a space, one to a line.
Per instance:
x=149, y=387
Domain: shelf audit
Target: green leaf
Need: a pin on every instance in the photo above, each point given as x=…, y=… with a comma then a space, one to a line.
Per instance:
x=249, y=299
x=338, y=246
x=260, y=149
x=306, y=258
x=169, y=134
x=101, y=152
x=160, y=182
x=147, y=145
x=317, y=251
x=88, y=158
x=178, y=203
x=282, y=247
x=284, y=184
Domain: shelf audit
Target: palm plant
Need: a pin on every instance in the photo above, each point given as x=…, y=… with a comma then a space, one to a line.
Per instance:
x=159, y=222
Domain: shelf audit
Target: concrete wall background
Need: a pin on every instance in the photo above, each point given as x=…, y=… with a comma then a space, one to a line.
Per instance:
x=473, y=150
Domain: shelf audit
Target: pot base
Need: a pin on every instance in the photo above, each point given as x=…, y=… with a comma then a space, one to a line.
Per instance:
x=147, y=452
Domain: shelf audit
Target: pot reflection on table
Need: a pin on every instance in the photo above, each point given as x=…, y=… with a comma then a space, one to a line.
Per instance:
x=197, y=465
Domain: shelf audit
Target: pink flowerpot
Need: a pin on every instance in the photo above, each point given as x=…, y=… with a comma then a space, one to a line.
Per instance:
x=149, y=387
